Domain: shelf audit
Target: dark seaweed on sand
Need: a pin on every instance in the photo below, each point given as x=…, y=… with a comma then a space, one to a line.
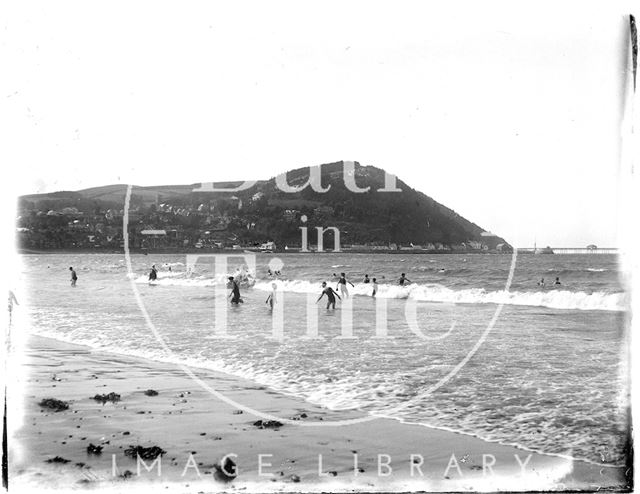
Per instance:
x=267, y=424
x=150, y=453
x=58, y=459
x=54, y=404
x=151, y=392
x=112, y=397
x=92, y=449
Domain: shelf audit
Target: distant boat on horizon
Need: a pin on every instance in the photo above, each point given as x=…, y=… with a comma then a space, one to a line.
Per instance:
x=545, y=250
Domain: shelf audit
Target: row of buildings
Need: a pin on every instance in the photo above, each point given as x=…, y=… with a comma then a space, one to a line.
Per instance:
x=205, y=226
x=164, y=226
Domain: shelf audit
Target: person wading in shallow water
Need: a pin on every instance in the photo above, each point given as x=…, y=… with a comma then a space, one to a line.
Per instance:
x=235, y=291
x=342, y=284
x=153, y=274
x=331, y=295
x=403, y=279
x=271, y=299
x=74, y=276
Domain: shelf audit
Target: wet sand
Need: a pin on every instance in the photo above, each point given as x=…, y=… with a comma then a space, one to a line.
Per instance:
x=197, y=429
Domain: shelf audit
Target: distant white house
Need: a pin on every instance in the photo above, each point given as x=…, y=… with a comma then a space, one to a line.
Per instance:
x=270, y=246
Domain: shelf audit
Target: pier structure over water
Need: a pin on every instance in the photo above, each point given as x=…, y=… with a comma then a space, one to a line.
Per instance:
x=569, y=250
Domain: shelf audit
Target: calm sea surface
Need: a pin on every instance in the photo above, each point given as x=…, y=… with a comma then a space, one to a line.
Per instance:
x=549, y=376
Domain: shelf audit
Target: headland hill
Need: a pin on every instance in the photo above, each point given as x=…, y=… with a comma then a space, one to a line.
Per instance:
x=268, y=216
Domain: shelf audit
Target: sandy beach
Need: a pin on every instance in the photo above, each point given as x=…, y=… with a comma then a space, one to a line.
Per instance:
x=196, y=430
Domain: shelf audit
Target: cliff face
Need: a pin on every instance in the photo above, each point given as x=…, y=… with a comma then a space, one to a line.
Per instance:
x=266, y=212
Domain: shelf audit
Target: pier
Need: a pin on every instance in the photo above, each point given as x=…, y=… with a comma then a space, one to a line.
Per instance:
x=570, y=250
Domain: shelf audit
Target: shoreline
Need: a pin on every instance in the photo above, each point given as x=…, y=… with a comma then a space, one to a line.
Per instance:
x=247, y=381
x=181, y=250
x=197, y=429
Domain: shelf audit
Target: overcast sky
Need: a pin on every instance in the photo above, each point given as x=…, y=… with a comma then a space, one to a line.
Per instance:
x=509, y=115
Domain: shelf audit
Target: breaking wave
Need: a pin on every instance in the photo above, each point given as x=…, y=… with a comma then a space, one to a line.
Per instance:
x=551, y=298
x=555, y=299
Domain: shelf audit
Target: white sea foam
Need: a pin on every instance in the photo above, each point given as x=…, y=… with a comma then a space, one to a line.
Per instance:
x=556, y=299
x=177, y=278
x=172, y=264
x=551, y=298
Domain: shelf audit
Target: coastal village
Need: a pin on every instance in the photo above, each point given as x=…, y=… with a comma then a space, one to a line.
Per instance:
x=214, y=225
x=266, y=216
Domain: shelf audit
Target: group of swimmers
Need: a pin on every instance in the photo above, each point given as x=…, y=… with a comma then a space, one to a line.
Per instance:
x=330, y=293
x=153, y=274
x=326, y=290
x=234, y=285
x=556, y=283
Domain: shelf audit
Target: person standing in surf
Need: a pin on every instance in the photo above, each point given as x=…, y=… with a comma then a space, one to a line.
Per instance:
x=403, y=279
x=271, y=299
x=375, y=287
x=153, y=274
x=342, y=284
x=331, y=295
x=235, y=291
x=74, y=276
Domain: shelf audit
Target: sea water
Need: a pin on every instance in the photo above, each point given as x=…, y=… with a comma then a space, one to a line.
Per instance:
x=549, y=377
